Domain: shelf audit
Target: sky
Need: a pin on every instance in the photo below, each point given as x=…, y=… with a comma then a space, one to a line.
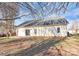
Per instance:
x=71, y=14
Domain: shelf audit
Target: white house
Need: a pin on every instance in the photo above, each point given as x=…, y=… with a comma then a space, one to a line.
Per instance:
x=51, y=27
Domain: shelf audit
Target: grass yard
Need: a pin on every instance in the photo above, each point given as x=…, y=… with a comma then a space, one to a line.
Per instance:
x=69, y=47
x=41, y=46
x=13, y=45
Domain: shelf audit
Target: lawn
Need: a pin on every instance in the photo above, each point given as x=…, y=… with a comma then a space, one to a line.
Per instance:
x=13, y=45
x=40, y=46
x=69, y=47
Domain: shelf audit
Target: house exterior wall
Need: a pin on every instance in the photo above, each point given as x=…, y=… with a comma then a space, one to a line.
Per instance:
x=43, y=31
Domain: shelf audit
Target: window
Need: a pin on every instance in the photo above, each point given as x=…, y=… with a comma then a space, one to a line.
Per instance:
x=35, y=31
x=27, y=32
x=58, y=30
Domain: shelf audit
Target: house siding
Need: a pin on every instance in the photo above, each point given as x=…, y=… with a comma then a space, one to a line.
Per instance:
x=43, y=31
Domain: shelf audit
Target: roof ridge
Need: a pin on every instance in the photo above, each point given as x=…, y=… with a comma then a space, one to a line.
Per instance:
x=44, y=21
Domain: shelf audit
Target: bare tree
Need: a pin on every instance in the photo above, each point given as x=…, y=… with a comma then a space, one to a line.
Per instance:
x=10, y=10
x=75, y=26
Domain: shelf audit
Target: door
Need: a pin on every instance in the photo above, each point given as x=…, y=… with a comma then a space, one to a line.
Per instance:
x=27, y=32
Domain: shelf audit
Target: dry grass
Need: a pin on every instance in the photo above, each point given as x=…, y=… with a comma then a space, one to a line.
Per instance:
x=45, y=46
x=13, y=45
x=68, y=47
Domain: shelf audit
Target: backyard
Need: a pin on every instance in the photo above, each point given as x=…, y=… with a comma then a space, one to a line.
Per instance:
x=42, y=46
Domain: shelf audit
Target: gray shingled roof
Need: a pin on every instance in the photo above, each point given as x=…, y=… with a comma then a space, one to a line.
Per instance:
x=54, y=21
